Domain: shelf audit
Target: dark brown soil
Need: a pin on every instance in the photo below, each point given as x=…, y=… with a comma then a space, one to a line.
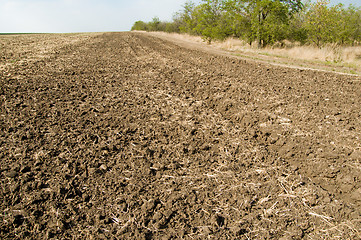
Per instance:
x=127, y=136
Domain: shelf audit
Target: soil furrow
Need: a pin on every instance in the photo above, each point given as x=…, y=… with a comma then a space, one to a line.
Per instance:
x=128, y=136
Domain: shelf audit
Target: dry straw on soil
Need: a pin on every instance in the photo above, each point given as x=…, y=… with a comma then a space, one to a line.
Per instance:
x=330, y=54
x=128, y=136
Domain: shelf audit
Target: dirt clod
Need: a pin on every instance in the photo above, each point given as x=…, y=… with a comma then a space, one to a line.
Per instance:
x=128, y=136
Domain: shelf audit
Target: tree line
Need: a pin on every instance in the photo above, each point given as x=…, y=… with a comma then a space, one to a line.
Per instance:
x=265, y=21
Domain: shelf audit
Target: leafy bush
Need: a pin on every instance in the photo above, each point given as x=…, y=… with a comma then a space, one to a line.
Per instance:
x=265, y=21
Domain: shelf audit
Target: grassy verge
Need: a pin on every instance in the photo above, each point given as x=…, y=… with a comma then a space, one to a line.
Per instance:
x=330, y=58
x=342, y=59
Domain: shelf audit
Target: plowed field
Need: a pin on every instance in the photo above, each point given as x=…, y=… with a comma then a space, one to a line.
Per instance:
x=129, y=136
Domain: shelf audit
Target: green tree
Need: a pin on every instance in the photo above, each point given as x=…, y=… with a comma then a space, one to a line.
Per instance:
x=171, y=27
x=212, y=22
x=265, y=21
x=297, y=30
x=237, y=19
x=140, y=26
x=349, y=25
x=356, y=25
x=186, y=18
x=322, y=23
x=270, y=19
x=155, y=24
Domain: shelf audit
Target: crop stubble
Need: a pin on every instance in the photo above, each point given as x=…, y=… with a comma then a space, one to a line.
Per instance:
x=125, y=135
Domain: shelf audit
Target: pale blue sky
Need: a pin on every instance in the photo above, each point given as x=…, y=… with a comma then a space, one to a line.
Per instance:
x=347, y=2
x=87, y=15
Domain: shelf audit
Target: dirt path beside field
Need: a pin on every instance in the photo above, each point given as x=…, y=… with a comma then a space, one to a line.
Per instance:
x=128, y=136
x=258, y=55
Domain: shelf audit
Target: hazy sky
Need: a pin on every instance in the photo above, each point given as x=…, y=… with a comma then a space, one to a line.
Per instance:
x=87, y=15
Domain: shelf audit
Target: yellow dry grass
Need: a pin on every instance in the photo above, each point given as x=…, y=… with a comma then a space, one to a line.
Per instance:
x=329, y=54
x=342, y=58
